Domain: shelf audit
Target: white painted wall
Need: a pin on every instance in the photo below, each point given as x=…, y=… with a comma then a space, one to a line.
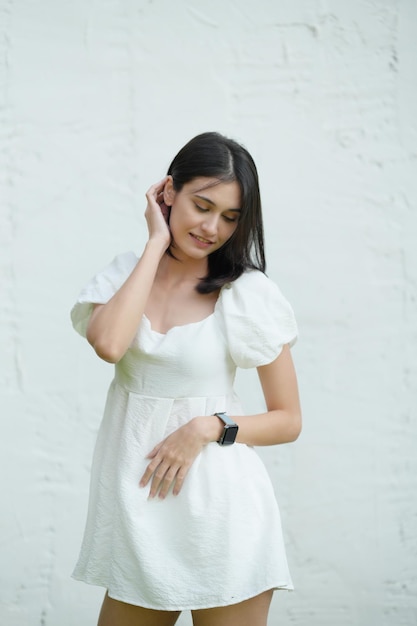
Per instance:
x=95, y=98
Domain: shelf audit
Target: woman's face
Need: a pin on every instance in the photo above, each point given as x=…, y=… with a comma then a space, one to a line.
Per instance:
x=204, y=215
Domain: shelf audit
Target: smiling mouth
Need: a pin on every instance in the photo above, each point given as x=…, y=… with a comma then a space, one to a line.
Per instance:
x=201, y=239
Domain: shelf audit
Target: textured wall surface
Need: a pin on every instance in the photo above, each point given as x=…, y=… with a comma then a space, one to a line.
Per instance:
x=95, y=98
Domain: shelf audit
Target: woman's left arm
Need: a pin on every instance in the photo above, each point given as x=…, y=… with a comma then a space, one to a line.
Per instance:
x=171, y=459
x=282, y=421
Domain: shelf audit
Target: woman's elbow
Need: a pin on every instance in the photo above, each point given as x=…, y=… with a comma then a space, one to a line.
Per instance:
x=296, y=428
x=106, y=350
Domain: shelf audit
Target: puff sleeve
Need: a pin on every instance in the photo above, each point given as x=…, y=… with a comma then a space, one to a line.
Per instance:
x=101, y=288
x=257, y=318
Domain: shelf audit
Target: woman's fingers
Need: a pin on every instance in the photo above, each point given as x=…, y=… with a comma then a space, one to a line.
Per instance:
x=160, y=470
x=157, y=190
x=157, y=212
x=161, y=480
x=149, y=472
x=163, y=476
x=164, y=473
x=161, y=484
x=171, y=459
x=179, y=480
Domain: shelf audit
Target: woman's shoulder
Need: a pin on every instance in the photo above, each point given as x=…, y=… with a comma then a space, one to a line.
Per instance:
x=101, y=287
x=257, y=318
x=251, y=277
x=117, y=270
x=123, y=261
x=252, y=283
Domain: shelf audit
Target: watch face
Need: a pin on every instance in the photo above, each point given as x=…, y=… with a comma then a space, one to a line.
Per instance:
x=229, y=435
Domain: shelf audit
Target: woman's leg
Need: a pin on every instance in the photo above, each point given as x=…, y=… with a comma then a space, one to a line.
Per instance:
x=252, y=612
x=115, y=613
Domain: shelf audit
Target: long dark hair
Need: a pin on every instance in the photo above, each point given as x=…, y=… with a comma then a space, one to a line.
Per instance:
x=212, y=155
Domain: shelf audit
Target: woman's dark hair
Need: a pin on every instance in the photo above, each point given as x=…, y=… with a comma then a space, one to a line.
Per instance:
x=212, y=155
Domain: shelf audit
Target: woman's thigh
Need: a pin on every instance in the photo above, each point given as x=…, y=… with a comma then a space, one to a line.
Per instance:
x=115, y=613
x=252, y=612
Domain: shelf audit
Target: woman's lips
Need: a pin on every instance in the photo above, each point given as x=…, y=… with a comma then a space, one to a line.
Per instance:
x=201, y=240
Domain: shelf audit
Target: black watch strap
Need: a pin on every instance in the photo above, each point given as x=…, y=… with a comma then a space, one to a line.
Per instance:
x=229, y=433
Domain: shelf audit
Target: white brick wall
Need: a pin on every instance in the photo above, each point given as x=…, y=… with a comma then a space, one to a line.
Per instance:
x=95, y=98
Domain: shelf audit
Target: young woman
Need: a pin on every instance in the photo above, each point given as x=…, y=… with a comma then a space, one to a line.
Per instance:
x=182, y=514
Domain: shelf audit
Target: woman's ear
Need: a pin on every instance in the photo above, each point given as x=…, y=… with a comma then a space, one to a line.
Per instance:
x=169, y=192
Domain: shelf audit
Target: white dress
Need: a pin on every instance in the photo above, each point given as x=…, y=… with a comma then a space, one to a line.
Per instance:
x=219, y=541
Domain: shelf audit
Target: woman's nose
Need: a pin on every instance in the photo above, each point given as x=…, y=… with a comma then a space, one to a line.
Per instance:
x=210, y=224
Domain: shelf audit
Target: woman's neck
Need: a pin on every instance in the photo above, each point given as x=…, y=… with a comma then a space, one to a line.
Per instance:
x=174, y=270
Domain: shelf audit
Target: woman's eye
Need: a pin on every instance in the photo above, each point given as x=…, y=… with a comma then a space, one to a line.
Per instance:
x=230, y=219
x=200, y=208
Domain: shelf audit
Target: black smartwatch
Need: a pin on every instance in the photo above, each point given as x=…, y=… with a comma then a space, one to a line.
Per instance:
x=229, y=433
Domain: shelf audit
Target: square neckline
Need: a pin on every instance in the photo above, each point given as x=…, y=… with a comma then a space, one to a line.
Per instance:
x=187, y=324
x=176, y=327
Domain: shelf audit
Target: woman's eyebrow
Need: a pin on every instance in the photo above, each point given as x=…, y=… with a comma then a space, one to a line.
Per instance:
x=211, y=202
x=205, y=199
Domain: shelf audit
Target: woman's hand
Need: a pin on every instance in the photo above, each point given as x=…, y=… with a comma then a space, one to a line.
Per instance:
x=173, y=457
x=157, y=212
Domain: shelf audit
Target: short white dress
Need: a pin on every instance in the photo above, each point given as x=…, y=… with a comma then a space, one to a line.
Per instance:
x=219, y=541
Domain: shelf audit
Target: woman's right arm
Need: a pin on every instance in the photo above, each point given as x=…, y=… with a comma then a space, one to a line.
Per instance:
x=113, y=325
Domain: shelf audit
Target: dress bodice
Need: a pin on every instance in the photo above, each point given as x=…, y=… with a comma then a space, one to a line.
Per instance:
x=188, y=361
